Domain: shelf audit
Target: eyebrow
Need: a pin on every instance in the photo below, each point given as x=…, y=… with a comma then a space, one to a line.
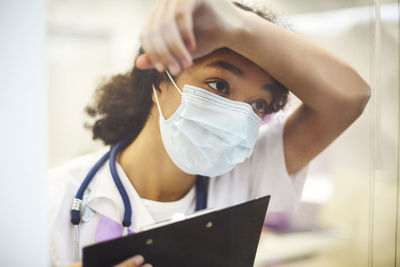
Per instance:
x=238, y=72
x=271, y=86
x=227, y=66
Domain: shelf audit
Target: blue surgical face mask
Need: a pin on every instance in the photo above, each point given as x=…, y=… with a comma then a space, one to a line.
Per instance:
x=208, y=134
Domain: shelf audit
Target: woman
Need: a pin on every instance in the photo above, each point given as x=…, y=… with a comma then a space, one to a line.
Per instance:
x=230, y=66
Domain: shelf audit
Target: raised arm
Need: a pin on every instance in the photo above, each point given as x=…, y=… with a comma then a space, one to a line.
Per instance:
x=333, y=94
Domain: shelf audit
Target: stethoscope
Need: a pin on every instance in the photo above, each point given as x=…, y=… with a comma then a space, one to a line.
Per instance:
x=201, y=193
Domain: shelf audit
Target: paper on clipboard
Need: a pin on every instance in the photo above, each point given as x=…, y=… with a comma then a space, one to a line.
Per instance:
x=175, y=219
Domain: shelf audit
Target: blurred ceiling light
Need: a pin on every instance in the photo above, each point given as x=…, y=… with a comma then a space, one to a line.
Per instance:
x=339, y=20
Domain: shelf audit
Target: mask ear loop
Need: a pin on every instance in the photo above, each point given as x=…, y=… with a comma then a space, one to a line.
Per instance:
x=158, y=104
x=173, y=82
x=155, y=92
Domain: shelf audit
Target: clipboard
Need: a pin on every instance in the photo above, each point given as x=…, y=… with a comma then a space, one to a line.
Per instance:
x=225, y=237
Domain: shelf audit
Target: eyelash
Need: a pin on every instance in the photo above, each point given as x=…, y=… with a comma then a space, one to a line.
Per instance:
x=264, y=111
x=219, y=81
x=262, y=114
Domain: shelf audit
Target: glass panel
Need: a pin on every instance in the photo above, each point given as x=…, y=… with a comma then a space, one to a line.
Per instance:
x=384, y=128
x=349, y=210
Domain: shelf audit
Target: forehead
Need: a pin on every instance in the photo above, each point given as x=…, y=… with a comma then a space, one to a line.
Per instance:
x=249, y=70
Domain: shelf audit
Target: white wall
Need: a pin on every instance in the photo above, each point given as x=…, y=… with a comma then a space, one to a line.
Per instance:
x=23, y=157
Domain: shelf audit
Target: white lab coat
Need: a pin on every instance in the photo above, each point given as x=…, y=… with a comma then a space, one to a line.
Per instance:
x=264, y=173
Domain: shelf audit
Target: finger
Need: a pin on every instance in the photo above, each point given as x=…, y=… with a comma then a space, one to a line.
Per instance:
x=79, y=264
x=135, y=261
x=172, y=37
x=184, y=21
x=163, y=54
x=158, y=50
x=161, y=26
x=145, y=37
x=151, y=55
x=174, y=41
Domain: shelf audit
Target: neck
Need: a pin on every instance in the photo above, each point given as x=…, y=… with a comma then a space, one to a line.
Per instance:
x=150, y=169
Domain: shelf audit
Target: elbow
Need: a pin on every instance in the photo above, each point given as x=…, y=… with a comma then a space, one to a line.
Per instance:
x=362, y=99
x=357, y=102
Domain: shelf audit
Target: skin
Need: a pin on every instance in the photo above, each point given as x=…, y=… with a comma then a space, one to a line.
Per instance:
x=333, y=94
x=167, y=182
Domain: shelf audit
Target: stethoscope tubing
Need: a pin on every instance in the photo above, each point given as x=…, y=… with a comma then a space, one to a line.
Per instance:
x=201, y=193
x=127, y=220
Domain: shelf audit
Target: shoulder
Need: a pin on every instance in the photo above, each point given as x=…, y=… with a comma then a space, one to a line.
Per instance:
x=62, y=184
x=270, y=132
x=72, y=171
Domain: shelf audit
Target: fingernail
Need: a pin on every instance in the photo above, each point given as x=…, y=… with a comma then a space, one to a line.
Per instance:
x=159, y=67
x=147, y=265
x=174, y=68
x=138, y=259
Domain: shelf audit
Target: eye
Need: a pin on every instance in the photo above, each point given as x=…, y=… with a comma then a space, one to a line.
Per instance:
x=220, y=86
x=259, y=107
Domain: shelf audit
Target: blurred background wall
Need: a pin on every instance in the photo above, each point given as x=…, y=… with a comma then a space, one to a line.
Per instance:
x=348, y=216
x=23, y=133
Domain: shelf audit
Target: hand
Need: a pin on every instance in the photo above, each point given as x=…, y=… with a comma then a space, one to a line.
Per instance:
x=135, y=261
x=179, y=30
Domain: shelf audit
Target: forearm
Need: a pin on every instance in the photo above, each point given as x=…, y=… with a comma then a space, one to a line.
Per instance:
x=322, y=81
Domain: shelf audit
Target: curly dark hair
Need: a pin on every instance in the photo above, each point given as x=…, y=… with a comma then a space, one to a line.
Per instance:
x=123, y=103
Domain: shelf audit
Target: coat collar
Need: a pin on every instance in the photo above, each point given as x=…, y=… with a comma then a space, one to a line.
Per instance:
x=105, y=198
